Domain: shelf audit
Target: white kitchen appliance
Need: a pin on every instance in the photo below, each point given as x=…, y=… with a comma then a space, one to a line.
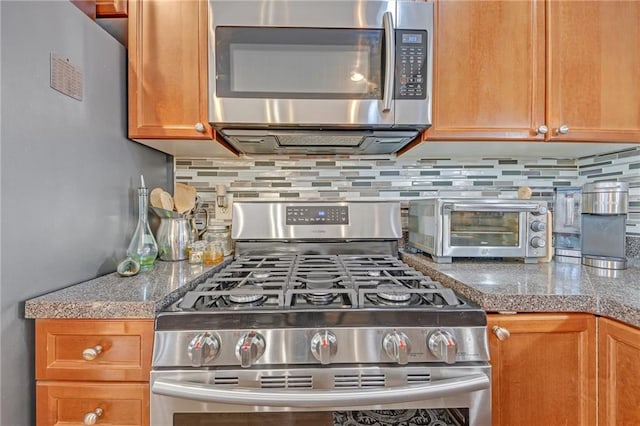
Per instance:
x=447, y=228
x=315, y=76
x=317, y=321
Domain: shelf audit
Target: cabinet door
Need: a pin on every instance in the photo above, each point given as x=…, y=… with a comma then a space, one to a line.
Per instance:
x=488, y=70
x=619, y=373
x=594, y=70
x=168, y=70
x=544, y=370
x=67, y=403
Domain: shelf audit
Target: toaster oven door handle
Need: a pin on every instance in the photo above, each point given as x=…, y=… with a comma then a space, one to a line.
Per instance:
x=390, y=54
x=492, y=207
x=319, y=398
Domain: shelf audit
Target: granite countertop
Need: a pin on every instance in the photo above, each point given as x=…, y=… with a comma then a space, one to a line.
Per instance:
x=495, y=285
x=513, y=286
x=113, y=296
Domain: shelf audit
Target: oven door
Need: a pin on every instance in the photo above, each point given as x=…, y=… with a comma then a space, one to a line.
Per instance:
x=328, y=397
x=485, y=230
x=311, y=63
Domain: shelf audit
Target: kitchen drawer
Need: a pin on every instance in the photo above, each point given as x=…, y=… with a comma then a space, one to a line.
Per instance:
x=125, y=355
x=65, y=403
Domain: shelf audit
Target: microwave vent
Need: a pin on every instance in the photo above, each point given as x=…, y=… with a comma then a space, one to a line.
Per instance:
x=319, y=140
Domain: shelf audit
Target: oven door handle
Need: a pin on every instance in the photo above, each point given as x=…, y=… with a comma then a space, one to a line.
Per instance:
x=497, y=207
x=319, y=398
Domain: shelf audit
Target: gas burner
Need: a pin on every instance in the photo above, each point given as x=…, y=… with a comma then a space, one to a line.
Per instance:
x=261, y=275
x=250, y=295
x=393, y=295
x=320, y=298
x=373, y=273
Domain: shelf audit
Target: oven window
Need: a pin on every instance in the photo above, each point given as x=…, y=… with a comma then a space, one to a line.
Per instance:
x=298, y=63
x=485, y=229
x=426, y=417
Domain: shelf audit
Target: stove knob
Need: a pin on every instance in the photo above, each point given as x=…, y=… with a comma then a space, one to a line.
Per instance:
x=397, y=346
x=443, y=346
x=203, y=348
x=324, y=345
x=250, y=348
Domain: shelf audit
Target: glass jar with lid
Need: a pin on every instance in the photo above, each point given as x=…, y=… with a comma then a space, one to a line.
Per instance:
x=218, y=232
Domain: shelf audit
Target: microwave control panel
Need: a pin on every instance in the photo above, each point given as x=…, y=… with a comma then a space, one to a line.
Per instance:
x=317, y=215
x=411, y=64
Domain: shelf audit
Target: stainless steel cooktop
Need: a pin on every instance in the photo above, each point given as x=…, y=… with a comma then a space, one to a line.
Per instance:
x=317, y=282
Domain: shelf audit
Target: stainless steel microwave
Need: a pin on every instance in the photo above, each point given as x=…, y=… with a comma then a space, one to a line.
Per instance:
x=447, y=228
x=314, y=76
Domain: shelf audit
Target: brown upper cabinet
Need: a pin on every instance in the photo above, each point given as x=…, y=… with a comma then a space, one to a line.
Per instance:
x=111, y=8
x=536, y=70
x=168, y=81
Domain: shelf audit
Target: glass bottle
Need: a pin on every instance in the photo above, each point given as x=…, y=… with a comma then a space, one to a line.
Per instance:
x=143, y=247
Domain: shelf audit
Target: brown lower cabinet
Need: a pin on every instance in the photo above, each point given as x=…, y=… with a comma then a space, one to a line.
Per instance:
x=93, y=371
x=543, y=369
x=618, y=373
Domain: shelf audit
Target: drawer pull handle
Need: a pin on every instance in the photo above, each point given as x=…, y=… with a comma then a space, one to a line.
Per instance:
x=92, y=417
x=90, y=354
x=501, y=332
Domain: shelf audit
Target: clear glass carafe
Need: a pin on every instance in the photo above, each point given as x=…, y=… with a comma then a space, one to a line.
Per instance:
x=143, y=247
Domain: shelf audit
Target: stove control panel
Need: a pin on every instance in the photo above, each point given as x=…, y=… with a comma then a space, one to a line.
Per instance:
x=317, y=215
x=313, y=346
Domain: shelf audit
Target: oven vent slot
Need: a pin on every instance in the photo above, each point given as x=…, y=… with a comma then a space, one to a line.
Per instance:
x=286, y=382
x=413, y=379
x=233, y=380
x=359, y=381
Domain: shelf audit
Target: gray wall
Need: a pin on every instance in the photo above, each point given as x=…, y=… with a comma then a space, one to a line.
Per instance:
x=68, y=175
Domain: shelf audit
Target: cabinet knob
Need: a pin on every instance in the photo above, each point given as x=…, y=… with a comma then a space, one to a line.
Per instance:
x=92, y=417
x=542, y=130
x=90, y=354
x=501, y=332
x=563, y=130
x=200, y=127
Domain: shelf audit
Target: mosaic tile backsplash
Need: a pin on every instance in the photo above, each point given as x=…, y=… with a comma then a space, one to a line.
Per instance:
x=388, y=178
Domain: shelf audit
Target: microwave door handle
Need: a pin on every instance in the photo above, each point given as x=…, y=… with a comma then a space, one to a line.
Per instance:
x=481, y=207
x=319, y=398
x=390, y=54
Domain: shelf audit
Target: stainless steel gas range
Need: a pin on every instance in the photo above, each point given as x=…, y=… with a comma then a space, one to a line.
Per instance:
x=317, y=320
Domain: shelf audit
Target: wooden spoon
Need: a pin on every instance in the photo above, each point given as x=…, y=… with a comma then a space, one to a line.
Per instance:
x=184, y=198
x=154, y=197
x=166, y=201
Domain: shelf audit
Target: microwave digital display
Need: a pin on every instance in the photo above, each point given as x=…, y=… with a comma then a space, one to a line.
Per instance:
x=412, y=38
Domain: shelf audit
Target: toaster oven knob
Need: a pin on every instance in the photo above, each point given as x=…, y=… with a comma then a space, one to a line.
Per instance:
x=324, y=345
x=397, y=347
x=443, y=346
x=203, y=348
x=540, y=211
x=537, y=242
x=537, y=226
x=250, y=348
